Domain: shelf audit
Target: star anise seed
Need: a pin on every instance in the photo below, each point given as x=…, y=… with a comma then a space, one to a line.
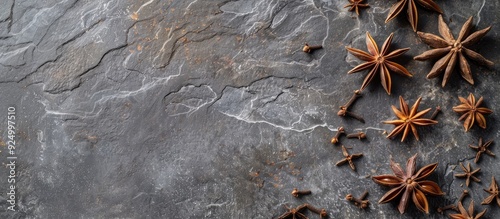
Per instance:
x=355, y=5
x=412, y=10
x=451, y=50
x=408, y=119
x=467, y=215
x=409, y=184
x=493, y=191
x=379, y=62
x=482, y=148
x=472, y=112
x=468, y=173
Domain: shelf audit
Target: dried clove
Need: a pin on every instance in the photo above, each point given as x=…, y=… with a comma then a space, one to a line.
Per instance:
x=322, y=213
x=360, y=202
x=359, y=135
x=351, y=114
x=310, y=49
x=296, y=192
x=340, y=131
x=435, y=113
x=452, y=206
x=356, y=95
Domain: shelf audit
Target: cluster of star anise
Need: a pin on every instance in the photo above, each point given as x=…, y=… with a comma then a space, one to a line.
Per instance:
x=452, y=53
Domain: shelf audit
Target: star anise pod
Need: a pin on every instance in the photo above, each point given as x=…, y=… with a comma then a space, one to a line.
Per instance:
x=409, y=184
x=379, y=62
x=412, y=10
x=408, y=119
x=451, y=50
x=467, y=215
x=355, y=5
x=482, y=148
x=472, y=112
x=468, y=174
x=494, y=193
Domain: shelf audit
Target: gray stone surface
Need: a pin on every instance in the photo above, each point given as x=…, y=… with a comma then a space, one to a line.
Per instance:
x=209, y=109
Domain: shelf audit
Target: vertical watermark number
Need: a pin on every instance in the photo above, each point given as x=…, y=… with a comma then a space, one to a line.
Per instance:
x=11, y=158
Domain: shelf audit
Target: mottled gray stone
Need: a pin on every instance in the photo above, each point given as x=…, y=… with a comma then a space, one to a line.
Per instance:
x=210, y=109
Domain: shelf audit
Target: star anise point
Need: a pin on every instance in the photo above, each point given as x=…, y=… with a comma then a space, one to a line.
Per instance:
x=412, y=10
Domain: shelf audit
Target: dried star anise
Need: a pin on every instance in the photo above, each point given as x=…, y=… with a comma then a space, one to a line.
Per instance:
x=472, y=112
x=493, y=191
x=379, y=62
x=408, y=119
x=294, y=212
x=468, y=173
x=411, y=183
x=482, y=148
x=355, y=5
x=412, y=10
x=467, y=215
x=449, y=50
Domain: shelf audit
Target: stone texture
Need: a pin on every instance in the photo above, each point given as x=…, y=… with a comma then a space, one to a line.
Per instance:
x=210, y=109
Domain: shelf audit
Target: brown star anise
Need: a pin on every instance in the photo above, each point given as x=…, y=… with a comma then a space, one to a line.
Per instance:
x=379, y=62
x=482, y=148
x=411, y=183
x=472, y=112
x=412, y=10
x=294, y=212
x=355, y=5
x=449, y=50
x=408, y=119
x=468, y=173
x=467, y=215
x=493, y=191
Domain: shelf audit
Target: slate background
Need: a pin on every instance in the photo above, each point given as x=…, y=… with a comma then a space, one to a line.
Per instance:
x=209, y=109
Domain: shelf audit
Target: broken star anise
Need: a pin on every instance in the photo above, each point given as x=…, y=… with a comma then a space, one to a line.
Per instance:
x=379, y=62
x=412, y=10
x=409, y=184
x=472, y=112
x=494, y=193
x=451, y=50
x=467, y=215
x=408, y=119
